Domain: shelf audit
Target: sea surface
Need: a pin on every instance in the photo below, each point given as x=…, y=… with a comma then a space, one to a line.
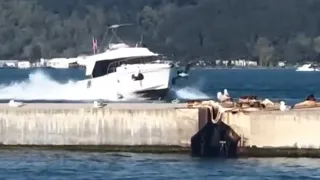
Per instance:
x=61, y=165
x=280, y=84
x=59, y=85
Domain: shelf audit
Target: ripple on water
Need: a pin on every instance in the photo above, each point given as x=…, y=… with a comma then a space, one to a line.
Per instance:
x=60, y=165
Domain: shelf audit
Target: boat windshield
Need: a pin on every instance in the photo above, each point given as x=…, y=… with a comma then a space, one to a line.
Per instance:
x=102, y=68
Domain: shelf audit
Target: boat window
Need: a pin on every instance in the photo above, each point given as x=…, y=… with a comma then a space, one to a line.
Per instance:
x=102, y=68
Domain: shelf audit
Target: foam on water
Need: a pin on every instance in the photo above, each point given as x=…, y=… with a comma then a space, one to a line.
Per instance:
x=40, y=86
x=192, y=91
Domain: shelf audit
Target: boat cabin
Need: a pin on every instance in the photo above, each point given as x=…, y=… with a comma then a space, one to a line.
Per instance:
x=104, y=63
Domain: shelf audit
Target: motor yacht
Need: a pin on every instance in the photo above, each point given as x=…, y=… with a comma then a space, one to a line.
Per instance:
x=135, y=69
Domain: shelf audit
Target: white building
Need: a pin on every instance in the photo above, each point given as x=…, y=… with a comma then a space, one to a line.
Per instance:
x=9, y=63
x=62, y=63
x=237, y=63
x=23, y=64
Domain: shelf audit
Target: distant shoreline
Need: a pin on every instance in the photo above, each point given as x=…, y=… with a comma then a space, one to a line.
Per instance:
x=246, y=68
x=196, y=67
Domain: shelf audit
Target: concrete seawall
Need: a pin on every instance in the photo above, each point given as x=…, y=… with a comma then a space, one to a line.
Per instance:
x=149, y=124
x=294, y=129
x=79, y=124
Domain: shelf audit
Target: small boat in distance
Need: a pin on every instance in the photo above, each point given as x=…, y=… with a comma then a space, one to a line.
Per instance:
x=308, y=67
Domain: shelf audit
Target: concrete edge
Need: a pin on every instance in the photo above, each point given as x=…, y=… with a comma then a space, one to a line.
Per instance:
x=254, y=152
x=243, y=152
x=157, y=149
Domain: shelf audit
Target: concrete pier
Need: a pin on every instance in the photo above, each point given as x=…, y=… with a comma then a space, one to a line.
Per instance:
x=147, y=124
x=289, y=129
x=80, y=124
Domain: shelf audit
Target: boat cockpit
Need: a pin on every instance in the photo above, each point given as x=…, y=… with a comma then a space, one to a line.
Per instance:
x=104, y=67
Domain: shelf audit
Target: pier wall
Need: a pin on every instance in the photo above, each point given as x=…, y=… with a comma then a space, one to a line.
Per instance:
x=165, y=126
x=97, y=126
x=293, y=129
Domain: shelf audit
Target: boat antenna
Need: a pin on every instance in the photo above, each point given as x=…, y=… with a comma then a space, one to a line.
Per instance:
x=113, y=29
x=141, y=41
x=114, y=32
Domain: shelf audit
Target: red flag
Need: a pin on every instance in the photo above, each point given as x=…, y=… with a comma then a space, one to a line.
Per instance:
x=94, y=45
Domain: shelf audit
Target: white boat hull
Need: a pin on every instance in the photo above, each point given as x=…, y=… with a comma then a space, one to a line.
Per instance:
x=157, y=80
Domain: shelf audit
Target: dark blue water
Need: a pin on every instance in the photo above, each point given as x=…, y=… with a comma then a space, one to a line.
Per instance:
x=39, y=165
x=277, y=84
x=61, y=165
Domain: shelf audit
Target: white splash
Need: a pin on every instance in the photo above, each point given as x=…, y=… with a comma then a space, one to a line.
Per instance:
x=192, y=92
x=40, y=86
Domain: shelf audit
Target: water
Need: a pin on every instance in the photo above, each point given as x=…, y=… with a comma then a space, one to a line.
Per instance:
x=203, y=84
x=60, y=165
x=51, y=84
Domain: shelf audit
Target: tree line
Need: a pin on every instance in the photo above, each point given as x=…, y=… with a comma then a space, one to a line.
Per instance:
x=259, y=30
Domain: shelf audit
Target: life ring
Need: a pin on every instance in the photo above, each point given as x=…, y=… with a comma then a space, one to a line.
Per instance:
x=137, y=77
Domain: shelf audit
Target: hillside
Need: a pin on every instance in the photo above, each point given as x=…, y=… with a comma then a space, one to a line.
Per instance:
x=266, y=31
